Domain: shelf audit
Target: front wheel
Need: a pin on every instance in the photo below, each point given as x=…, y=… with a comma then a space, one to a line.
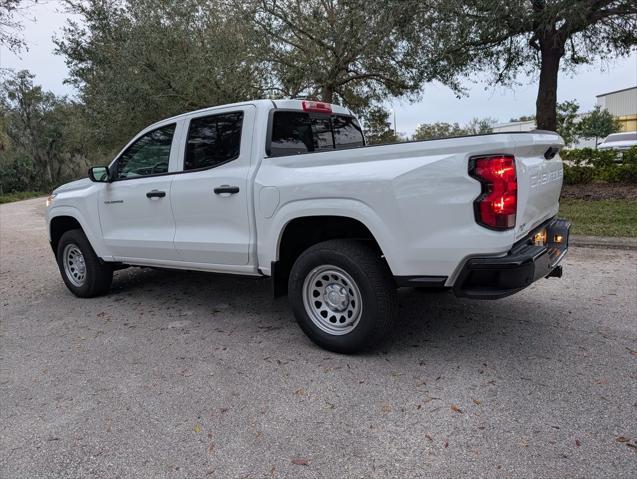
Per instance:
x=343, y=295
x=82, y=271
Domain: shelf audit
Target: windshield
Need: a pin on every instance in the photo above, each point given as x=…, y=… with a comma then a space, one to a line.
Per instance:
x=631, y=136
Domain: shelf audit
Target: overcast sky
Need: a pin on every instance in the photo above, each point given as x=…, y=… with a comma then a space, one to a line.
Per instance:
x=438, y=102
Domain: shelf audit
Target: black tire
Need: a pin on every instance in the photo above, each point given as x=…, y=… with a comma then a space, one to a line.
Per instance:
x=373, y=280
x=98, y=275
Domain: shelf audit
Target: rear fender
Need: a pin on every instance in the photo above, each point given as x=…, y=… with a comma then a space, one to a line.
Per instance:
x=269, y=241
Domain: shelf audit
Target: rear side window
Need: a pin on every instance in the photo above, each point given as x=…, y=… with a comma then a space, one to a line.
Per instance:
x=213, y=140
x=294, y=133
x=291, y=134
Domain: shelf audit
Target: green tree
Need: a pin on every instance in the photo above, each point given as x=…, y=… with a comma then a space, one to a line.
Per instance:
x=567, y=126
x=480, y=126
x=477, y=126
x=37, y=125
x=10, y=24
x=598, y=124
x=352, y=52
x=430, y=131
x=5, y=141
x=138, y=61
x=377, y=126
x=507, y=39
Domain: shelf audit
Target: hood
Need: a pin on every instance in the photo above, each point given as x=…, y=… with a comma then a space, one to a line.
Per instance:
x=73, y=185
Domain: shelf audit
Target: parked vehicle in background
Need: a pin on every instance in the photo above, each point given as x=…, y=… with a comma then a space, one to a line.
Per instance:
x=619, y=141
x=288, y=189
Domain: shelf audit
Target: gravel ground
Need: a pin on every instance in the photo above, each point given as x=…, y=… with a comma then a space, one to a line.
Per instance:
x=188, y=375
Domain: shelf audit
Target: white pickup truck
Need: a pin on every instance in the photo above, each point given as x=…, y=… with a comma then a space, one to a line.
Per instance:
x=288, y=189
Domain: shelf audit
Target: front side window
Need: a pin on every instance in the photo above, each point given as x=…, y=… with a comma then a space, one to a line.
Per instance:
x=213, y=140
x=148, y=155
x=294, y=133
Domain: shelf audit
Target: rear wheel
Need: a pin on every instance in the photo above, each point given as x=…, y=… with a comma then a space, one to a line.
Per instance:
x=82, y=271
x=343, y=295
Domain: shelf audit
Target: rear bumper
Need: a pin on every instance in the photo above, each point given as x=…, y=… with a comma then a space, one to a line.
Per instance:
x=497, y=277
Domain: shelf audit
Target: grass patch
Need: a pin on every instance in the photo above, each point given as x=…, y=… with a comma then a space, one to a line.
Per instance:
x=601, y=217
x=20, y=195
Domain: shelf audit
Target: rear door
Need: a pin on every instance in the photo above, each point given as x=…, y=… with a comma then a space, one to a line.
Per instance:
x=135, y=213
x=539, y=180
x=210, y=198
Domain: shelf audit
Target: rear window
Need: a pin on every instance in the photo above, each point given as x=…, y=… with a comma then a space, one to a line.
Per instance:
x=295, y=133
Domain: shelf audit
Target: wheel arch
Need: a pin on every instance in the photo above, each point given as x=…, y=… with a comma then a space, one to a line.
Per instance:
x=301, y=232
x=65, y=218
x=60, y=225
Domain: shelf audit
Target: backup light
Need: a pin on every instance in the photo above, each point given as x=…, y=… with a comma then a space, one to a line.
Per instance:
x=540, y=238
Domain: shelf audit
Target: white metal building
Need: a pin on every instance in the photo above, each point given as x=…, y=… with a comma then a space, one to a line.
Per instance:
x=621, y=104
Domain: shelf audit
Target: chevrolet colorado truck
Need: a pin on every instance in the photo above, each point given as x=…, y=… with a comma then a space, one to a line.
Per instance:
x=289, y=189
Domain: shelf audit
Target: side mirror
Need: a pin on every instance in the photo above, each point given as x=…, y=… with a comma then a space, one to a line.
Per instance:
x=99, y=174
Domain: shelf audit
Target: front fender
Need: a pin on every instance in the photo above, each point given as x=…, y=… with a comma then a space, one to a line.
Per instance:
x=92, y=229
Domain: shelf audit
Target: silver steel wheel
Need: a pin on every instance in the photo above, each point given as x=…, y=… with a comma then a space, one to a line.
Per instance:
x=332, y=299
x=74, y=265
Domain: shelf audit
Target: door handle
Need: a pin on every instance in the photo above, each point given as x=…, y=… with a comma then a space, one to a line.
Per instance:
x=226, y=189
x=155, y=194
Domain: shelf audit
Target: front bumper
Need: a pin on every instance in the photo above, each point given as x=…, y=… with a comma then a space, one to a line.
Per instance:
x=497, y=277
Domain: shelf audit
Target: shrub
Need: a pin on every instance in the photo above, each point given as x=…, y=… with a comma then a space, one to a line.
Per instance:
x=585, y=165
x=576, y=175
x=19, y=174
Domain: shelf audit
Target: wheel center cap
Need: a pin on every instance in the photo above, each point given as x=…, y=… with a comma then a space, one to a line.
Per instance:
x=336, y=297
x=80, y=264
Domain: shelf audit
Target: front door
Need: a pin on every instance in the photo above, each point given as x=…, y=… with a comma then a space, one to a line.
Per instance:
x=210, y=198
x=135, y=212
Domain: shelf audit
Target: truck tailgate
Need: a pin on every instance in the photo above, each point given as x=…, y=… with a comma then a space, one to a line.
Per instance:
x=539, y=181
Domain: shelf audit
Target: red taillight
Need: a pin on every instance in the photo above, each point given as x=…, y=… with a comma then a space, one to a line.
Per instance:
x=497, y=205
x=317, y=107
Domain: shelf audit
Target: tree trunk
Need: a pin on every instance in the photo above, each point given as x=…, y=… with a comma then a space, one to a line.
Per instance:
x=47, y=172
x=546, y=114
x=328, y=94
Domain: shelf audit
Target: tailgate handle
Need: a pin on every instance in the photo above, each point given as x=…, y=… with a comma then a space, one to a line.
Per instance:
x=551, y=152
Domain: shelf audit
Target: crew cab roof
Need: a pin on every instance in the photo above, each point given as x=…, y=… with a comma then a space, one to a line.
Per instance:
x=287, y=104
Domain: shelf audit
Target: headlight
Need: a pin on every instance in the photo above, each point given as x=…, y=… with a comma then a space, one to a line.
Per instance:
x=50, y=199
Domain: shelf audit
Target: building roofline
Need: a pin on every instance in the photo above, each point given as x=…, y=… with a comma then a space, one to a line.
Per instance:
x=511, y=123
x=617, y=91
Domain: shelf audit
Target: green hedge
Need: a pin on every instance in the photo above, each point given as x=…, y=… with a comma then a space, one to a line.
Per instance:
x=585, y=165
